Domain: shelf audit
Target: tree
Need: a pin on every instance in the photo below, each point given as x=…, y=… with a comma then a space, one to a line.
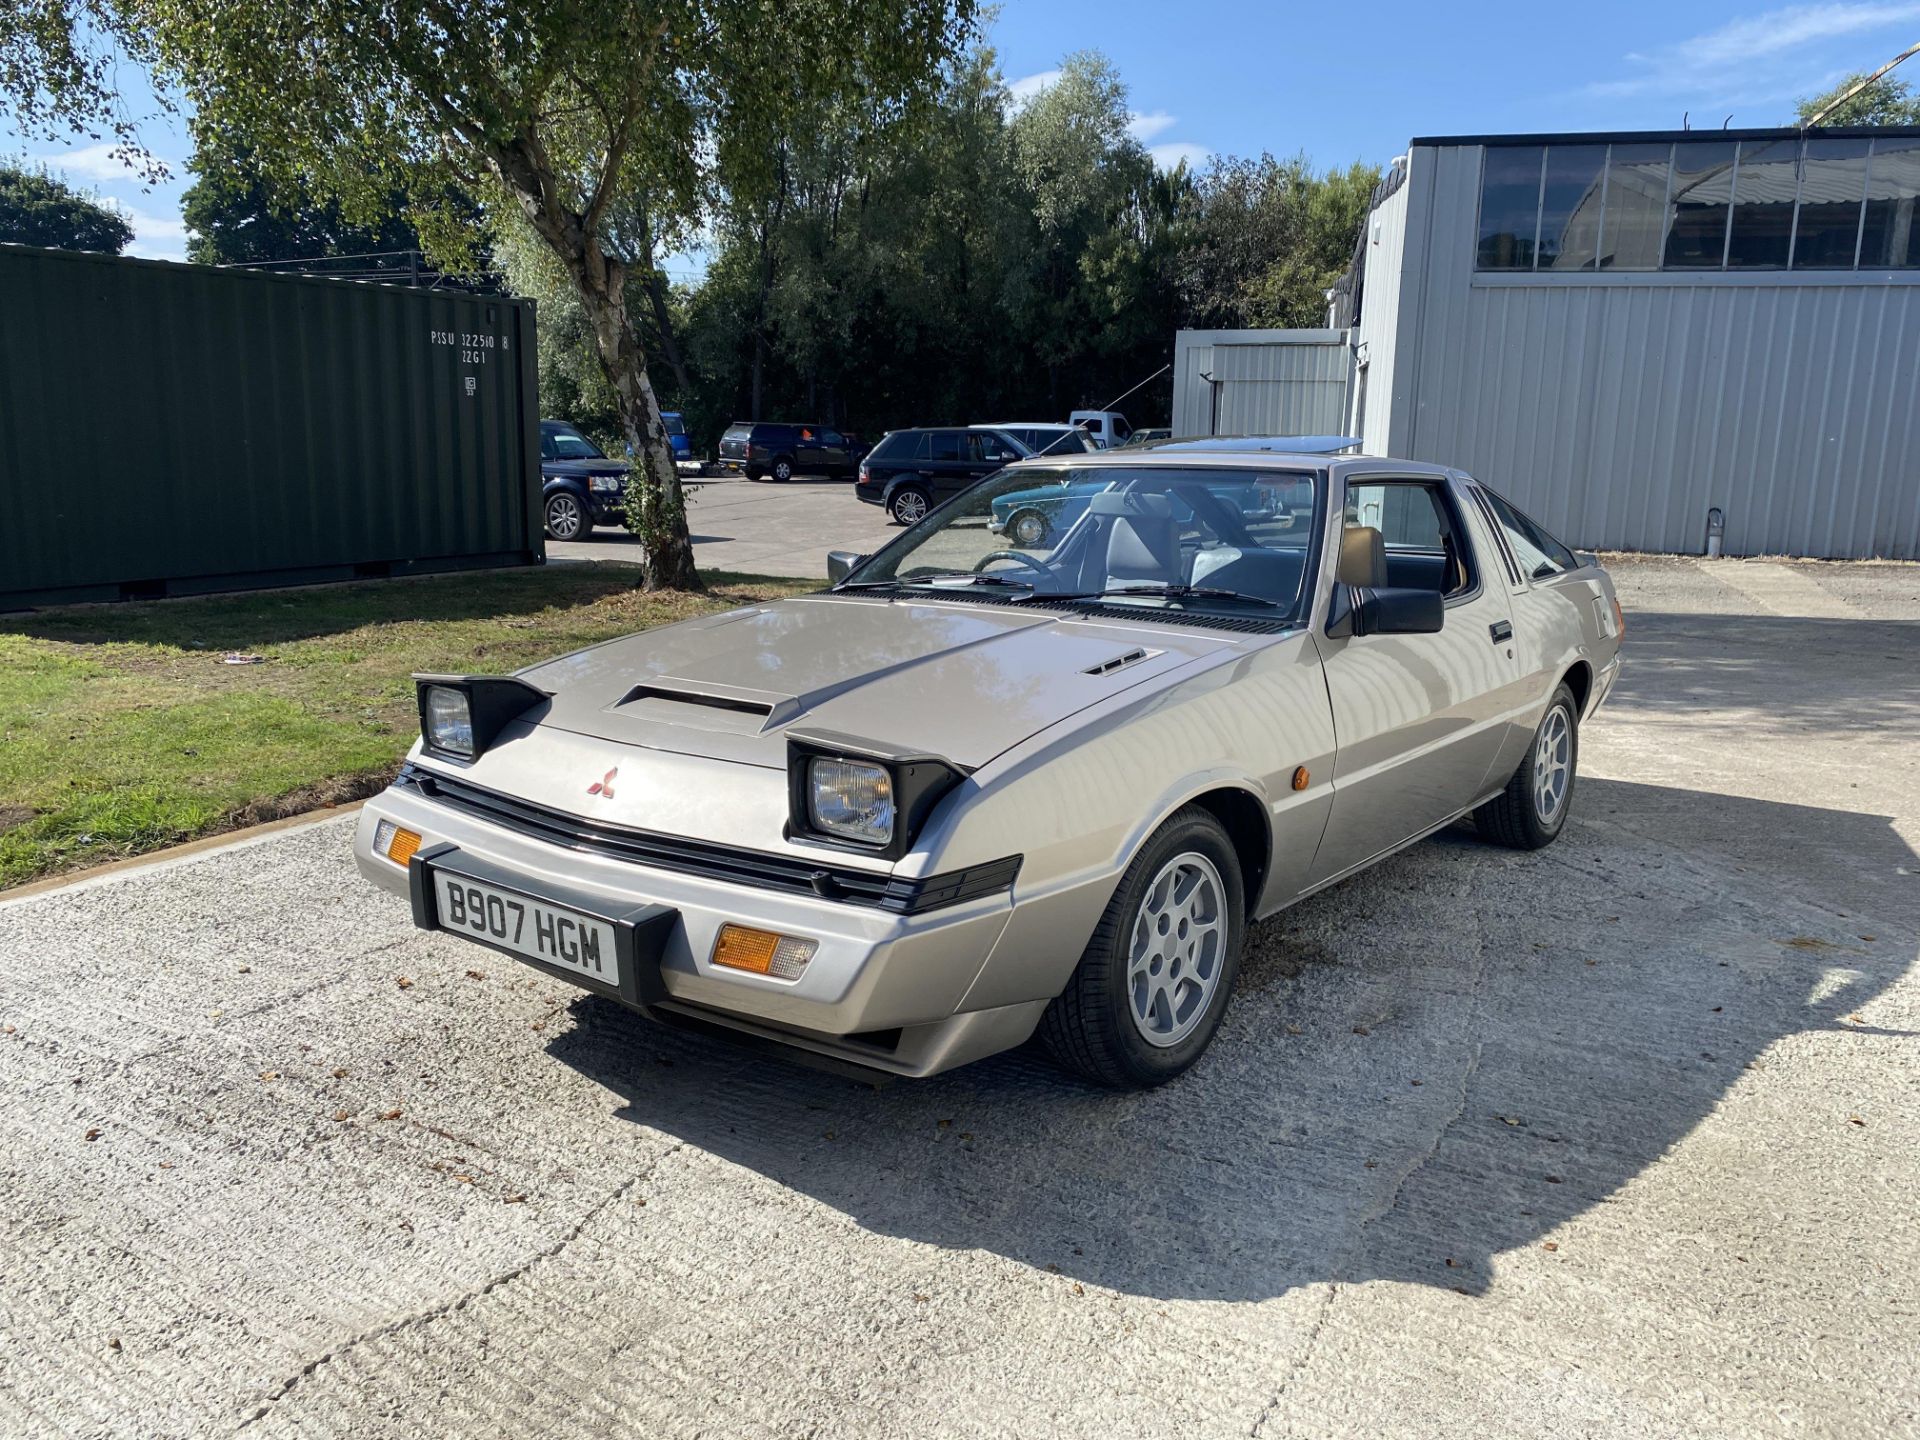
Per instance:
x=593, y=119
x=1887, y=101
x=37, y=208
x=237, y=216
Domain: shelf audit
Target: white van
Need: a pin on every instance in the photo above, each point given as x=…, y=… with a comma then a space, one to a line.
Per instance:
x=1108, y=429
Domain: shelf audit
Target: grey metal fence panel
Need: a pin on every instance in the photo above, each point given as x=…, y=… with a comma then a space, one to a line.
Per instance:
x=177, y=428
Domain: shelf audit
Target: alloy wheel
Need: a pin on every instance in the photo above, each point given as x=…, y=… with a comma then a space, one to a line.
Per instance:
x=564, y=518
x=1178, y=949
x=1552, y=764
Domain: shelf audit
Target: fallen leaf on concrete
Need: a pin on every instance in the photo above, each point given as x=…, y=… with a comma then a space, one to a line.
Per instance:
x=95, y=1133
x=1418, y=1082
x=1295, y=1030
x=826, y=1135
x=521, y=1200
x=1361, y=1030
x=476, y=974
x=1509, y=1119
x=1053, y=1269
x=340, y=1072
x=113, y=1343
x=462, y=1179
x=389, y=1114
x=919, y=1299
x=642, y=1201
x=1550, y=1245
x=1869, y=938
x=1855, y=1019
x=1856, y=1120
x=966, y=1135
x=946, y=1124
x=1717, y=1009
x=1807, y=942
x=6, y=1029
x=269, y=1074
x=1553, y=1180
x=1078, y=1288
x=342, y=1115
x=1452, y=1264
x=246, y=969
x=1373, y=1164
x=403, y=982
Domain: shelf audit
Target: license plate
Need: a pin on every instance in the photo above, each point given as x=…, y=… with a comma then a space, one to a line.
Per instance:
x=553, y=934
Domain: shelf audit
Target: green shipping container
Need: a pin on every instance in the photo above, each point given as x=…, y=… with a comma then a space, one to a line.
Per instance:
x=174, y=429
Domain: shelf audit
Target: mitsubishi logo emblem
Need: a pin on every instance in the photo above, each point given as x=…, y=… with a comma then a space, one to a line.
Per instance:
x=604, y=785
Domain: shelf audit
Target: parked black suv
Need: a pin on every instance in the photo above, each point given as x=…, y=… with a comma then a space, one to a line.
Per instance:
x=580, y=487
x=911, y=471
x=784, y=451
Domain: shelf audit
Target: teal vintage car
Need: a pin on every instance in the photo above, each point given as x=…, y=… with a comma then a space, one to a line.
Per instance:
x=1035, y=517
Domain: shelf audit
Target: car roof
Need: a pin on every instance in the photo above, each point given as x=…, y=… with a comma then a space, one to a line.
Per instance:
x=1281, y=444
x=1249, y=454
x=1025, y=425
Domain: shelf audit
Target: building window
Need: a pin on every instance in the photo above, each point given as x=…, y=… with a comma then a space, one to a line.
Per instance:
x=1510, y=206
x=1890, y=238
x=1702, y=198
x=1833, y=188
x=1820, y=204
x=1570, y=200
x=1636, y=218
x=1764, y=187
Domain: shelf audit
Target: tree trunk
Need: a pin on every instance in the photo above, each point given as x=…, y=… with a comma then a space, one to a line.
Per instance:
x=656, y=506
x=663, y=317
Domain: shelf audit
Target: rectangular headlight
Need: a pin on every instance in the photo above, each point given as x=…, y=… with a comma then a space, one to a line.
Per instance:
x=461, y=715
x=851, y=798
x=448, y=720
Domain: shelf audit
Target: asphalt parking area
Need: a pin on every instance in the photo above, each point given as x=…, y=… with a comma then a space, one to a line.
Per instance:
x=1622, y=1138
x=758, y=527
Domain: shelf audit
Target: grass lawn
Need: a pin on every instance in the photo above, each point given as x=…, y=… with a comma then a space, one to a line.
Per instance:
x=122, y=729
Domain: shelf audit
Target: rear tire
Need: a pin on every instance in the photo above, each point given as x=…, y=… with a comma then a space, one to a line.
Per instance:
x=909, y=504
x=1154, y=982
x=1531, y=812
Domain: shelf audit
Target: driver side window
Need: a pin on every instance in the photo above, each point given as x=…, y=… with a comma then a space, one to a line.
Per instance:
x=1419, y=533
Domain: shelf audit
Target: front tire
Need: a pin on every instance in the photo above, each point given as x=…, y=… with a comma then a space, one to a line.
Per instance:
x=909, y=505
x=1154, y=982
x=1531, y=812
x=783, y=470
x=566, y=518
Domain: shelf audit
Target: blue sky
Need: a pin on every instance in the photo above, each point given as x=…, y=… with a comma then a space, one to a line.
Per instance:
x=1339, y=84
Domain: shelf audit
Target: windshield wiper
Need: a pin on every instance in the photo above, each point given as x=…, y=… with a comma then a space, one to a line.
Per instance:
x=1174, y=592
x=945, y=580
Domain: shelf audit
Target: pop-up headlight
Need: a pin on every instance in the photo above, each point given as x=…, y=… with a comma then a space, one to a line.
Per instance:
x=461, y=714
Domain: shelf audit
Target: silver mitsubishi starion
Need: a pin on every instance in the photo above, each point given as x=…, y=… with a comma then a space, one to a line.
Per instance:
x=977, y=791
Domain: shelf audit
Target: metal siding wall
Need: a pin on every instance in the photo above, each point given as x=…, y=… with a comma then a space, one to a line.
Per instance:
x=1272, y=382
x=1617, y=412
x=208, y=428
x=1377, y=330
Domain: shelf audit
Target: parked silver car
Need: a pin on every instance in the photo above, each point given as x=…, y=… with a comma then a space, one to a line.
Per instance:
x=972, y=793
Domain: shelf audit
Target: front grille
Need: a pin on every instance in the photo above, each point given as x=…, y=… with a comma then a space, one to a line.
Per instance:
x=684, y=856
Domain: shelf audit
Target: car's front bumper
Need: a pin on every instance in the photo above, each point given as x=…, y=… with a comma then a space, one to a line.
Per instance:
x=883, y=990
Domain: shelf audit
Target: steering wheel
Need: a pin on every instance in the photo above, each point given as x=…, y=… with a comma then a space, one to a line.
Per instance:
x=1014, y=555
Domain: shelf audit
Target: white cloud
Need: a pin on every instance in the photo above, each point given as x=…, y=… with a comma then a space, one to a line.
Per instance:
x=1144, y=126
x=155, y=237
x=1166, y=157
x=1028, y=86
x=1762, y=57
x=93, y=162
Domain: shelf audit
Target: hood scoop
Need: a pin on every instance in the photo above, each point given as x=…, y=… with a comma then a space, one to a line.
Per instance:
x=668, y=701
x=1120, y=662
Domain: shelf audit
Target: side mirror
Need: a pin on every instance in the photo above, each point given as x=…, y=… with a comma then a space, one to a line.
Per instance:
x=1360, y=611
x=842, y=563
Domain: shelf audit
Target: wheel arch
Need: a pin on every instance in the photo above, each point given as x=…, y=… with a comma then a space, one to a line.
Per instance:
x=1579, y=679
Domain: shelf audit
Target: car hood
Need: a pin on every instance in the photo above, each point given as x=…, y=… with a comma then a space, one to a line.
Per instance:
x=965, y=682
x=582, y=468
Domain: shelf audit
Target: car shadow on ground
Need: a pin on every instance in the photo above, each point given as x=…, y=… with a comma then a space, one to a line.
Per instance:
x=1428, y=1066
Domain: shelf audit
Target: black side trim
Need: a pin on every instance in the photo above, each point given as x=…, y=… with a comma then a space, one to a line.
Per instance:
x=684, y=856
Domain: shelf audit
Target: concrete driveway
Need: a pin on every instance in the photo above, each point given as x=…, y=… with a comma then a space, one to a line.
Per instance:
x=759, y=528
x=1622, y=1138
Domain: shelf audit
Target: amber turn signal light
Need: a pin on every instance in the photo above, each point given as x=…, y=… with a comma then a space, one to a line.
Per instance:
x=763, y=952
x=1300, y=777
x=396, y=844
x=1619, y=619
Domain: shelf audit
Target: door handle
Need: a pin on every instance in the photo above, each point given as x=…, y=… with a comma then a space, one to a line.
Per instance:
x=1501, y=630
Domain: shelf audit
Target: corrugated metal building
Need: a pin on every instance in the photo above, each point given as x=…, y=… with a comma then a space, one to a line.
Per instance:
x=1624, y=332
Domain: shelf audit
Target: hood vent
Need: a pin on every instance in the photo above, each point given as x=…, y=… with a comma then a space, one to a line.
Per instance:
x=697, y=697
x=1118, y=662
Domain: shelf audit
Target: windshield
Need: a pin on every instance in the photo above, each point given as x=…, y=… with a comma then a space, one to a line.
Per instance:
x=570, y=446
x=1216, y=539
x=675, y=426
